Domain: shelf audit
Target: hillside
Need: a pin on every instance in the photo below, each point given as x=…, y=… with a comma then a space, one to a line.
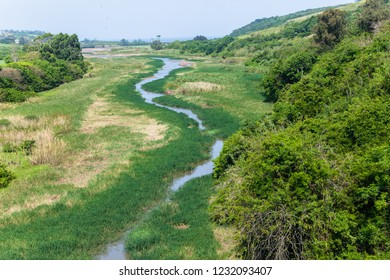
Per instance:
x=311, y=180
x=276, y=21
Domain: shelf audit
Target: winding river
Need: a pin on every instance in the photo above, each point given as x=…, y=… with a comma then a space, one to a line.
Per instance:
x=116, y=251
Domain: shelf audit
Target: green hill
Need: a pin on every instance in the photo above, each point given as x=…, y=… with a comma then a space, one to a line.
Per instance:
x=265, y=23
x=311, y=179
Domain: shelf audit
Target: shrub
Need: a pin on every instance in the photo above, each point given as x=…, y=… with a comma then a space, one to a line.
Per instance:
x=14, y=95
x=6, y=176
x=27, y=146
x=10, y=148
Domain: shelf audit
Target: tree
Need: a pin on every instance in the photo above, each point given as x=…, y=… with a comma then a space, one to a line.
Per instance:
x=61, y=46
x=287, y=71
x=200, y=38
x=124, y=43
x=330, y=28
x=373, y=12
x=157, y=45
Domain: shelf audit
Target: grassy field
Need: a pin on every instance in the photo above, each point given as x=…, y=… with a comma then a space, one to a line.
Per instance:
x=102, y=158
x=212, y=90
x=181, y=229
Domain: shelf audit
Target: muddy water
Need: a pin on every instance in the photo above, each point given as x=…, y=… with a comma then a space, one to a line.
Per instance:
x=116, y=251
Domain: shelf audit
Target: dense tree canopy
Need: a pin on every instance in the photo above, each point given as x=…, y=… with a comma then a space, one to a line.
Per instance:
x=311, y=180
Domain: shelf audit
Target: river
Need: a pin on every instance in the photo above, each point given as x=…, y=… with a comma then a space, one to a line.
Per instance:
x=116, y=251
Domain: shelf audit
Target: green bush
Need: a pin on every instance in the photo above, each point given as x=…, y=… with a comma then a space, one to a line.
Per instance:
x=315, y=184
x=14, y=95
x=6, y=176
x=27, y=146
x=10, y=148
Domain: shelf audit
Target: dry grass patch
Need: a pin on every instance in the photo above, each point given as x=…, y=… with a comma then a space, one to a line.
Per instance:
x=84, y=166
x=102, y=114
x=226, y=239
x=47, y=149
x=181, y=226
x=198, y=87
x=32, y=203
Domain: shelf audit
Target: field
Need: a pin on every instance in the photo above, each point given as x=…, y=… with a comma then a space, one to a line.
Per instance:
x=101, y=158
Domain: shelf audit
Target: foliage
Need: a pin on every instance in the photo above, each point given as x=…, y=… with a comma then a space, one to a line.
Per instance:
x=14, y=95
x=330, y=28
x=200, y=38
x=157, y=45
x=287, y=71
x=373, y=11
x=207, y=47
x=61, y=46
x=310, y=181
x=124, y=42
x=52, y=60
x=264, y=23
x=6, y=176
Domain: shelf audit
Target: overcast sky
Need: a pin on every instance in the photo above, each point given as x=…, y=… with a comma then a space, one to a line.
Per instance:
x=132, y=19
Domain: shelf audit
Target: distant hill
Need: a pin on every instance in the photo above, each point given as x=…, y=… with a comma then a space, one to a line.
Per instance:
x=264, y=23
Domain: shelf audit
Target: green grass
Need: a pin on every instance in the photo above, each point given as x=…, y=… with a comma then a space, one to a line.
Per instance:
x=178, y=230
x=160, y=85
x=182, y=229
x=82, y=221
x=238, y=86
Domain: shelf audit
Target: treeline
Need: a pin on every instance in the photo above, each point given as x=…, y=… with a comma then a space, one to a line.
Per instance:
x=202, y=45
x=45, y=63
x=253, y=47
x=312, y=179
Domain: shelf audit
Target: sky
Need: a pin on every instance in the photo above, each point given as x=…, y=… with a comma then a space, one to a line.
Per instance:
x=133, y=19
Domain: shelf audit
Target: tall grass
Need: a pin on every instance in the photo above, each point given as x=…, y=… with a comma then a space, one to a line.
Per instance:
x=179, y=229
x=82, y=221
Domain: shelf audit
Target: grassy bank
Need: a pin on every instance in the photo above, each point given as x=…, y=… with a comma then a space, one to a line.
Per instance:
x=213, y=89
x=103, y=157
x=47, y=215
x=179, y=229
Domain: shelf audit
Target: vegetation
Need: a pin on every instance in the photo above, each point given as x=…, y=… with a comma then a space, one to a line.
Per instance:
x=92, y=171
x=157, y=45
x=50, y=61
x=5, y=176
x=330, y=28
x=23, y=36
x=178, y=229
x=265, y=23
x=84, y=162
x=373, y=12
x=309, y=180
